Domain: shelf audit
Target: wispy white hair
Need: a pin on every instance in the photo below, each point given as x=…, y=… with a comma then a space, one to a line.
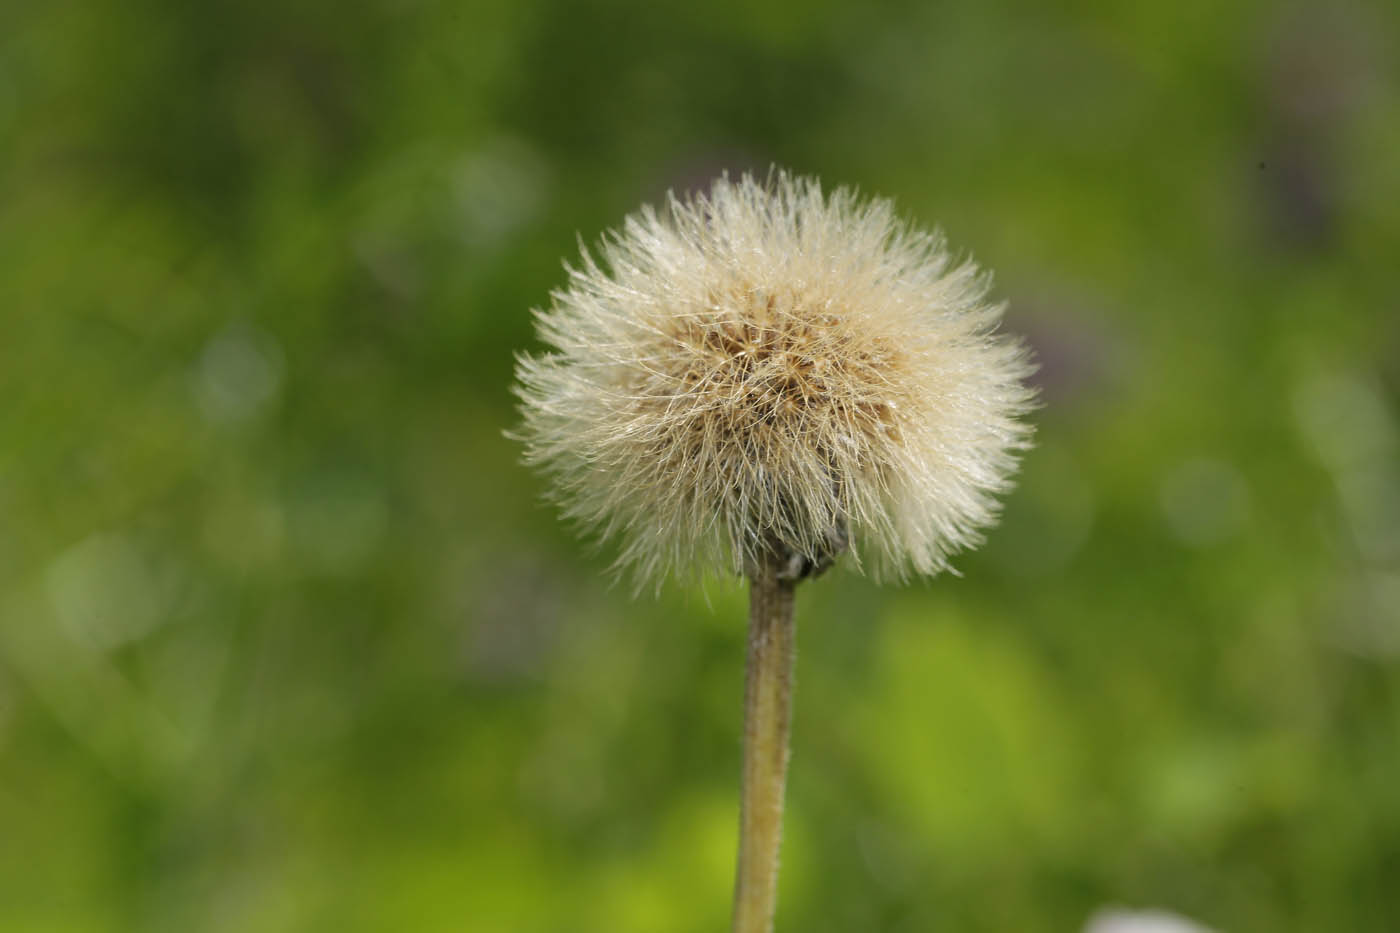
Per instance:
x=768, y=366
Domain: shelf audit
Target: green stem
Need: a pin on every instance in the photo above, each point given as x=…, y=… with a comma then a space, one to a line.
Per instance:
x=767, y=725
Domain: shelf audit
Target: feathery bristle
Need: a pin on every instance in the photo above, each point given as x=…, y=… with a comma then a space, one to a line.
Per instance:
x=768, y=366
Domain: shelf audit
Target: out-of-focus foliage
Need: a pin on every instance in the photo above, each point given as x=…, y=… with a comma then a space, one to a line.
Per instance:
x=287, y=641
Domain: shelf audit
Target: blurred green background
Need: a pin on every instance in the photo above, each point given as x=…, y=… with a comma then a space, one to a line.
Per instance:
x=288, y=641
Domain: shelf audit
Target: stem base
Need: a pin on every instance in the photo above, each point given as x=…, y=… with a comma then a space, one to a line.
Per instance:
x=767, y=729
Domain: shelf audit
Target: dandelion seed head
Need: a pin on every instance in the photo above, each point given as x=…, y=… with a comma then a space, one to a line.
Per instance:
x=766, y=366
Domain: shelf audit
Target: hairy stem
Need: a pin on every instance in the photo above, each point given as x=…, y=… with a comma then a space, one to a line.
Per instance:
x=767, y=723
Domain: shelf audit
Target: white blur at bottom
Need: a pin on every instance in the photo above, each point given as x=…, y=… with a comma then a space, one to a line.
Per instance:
x=1118, y=920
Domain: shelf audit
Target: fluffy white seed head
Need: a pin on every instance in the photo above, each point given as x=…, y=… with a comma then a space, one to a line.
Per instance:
x=770, y=368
